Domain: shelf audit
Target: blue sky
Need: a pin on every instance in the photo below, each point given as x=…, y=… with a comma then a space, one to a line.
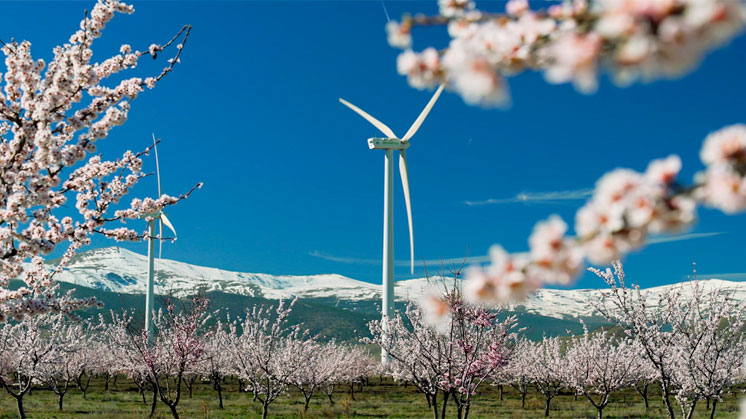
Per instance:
x=290, y=186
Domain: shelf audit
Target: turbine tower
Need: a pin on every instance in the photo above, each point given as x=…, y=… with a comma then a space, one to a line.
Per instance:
x=162, y=219
x=390, y=143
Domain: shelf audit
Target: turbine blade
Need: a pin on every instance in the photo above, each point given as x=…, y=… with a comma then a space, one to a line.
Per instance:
x=413, y=129
x=168, y=224
x=404, y=173
x=160, y=242
x=378, y=124
x=157, y=166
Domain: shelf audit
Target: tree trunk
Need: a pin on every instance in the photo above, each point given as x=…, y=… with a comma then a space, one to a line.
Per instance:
x=690, y=414
x=330, y=394
x=600, y=412
x=59, y=400
x=435, y=404
x=264, y=410
x=546, y=408
x=219, y=388
x=667, y=400
x=173, y=410
x=445, y=404
x=155, y=400
x=81, y=387
x=79, y=382
x=466, y=411
x=19, y=403
x=644, y=393
x=308, y=402
x=501, y=392
x=523, y=399
x=712, y=411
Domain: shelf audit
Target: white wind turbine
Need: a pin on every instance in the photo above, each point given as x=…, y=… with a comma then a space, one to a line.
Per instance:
x=162, y=219
x=390, y=143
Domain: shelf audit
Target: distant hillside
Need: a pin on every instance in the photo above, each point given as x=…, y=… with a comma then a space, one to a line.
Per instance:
x=330, y=305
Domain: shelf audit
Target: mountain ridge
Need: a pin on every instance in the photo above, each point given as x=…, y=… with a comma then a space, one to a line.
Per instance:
x=118, y=270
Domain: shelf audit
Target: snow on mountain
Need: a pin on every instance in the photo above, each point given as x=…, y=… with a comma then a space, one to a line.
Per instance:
x=578, y=303
x=119, y=270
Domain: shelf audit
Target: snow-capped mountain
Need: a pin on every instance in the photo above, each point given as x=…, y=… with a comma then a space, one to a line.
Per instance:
x=118, y=270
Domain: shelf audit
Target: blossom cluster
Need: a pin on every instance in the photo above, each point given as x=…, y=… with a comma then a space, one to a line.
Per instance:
x=568, y=42
x=51, y=116
x=626, y=207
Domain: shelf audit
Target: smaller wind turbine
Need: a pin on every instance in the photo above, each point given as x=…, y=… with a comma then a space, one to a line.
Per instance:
x=162, y=219
x=390, y=143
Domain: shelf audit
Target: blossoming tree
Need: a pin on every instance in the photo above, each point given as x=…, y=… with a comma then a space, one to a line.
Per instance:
x=599, y=364
x=51, y=116
x=27, y=348
x=517, y=372
x=692, y=337
x=452, y=360
x=176, y=349
x=266, y=352
x=547, y=369
x=118, y=334
x=72, y=359
x=214, y=363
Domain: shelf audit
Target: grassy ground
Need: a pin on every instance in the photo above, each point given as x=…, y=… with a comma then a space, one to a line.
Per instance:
x=376, y=400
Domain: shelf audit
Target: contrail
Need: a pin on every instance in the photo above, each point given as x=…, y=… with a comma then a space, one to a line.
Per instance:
x=388, y=19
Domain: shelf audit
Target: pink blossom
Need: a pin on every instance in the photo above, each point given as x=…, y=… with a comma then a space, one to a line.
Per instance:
x=556, y=260
x=501, y=282
x=663, y=171
x=399, y=34
x=724, y=189
x=516, y=7
x=725, y=144
x=572, y=57
x=422, y=70
x=453, y=8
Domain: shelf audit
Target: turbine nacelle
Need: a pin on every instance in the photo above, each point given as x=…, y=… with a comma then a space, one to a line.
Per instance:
x=380, y=143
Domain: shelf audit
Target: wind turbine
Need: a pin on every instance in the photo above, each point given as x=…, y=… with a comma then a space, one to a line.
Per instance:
x=162, y=219
x=390, y=143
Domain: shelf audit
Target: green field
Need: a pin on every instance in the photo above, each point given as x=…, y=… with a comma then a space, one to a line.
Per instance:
x=377, y=399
